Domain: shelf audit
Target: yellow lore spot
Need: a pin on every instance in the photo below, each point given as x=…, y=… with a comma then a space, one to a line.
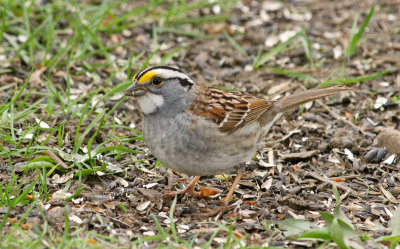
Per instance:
x=146, y=77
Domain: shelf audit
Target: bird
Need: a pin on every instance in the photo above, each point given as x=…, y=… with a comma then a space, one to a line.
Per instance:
x=203, y=131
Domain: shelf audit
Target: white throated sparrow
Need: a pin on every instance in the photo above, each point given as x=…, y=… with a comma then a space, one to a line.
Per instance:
x=205, y=131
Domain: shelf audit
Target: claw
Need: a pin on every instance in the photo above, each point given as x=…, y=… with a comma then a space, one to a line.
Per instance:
x=221, y=209
x=188, y=191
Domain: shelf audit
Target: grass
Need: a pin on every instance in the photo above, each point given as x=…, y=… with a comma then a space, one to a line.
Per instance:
x=40, y=32
x=262, y=59
x=71, y=39
x=356, y=36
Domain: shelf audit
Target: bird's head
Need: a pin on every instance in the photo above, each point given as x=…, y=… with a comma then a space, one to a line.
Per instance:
x=159, y=87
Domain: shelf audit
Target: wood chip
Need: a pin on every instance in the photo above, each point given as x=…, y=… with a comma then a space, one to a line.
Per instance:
x=267, y=184
x=143, y=206
x=299, y=155
x=338, y=185
x=56, y=159
x=388, y=195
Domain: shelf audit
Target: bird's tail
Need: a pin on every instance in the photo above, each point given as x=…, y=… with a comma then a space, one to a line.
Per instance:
x=294, y=100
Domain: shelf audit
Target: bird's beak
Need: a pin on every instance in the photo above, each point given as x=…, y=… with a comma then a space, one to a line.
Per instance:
x=135, y=90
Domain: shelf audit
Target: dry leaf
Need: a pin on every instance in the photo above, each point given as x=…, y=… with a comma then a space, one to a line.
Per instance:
x=208, y=191
x=35, y=77
x=388, y=195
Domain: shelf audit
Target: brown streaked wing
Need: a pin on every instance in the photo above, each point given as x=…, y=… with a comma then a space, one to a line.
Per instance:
x=230, y=110
x=236, y=116
x=257, y=107
x=215, y=115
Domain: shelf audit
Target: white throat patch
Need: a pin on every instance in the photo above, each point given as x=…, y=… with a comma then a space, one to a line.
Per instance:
x=150, y=102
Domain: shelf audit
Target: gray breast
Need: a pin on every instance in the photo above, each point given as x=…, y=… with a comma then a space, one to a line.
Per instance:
x=197, y=147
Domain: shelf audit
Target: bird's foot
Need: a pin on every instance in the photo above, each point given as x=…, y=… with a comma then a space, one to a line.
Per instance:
x=218, y=212
x=204, y=191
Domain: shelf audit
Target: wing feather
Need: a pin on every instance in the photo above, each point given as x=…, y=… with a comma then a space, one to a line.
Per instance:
x=230, y=110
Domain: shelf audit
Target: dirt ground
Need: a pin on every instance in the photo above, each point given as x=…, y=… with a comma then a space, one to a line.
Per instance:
x=328, y=142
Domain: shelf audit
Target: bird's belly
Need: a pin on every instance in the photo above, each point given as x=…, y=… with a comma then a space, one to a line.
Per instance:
x=200, y=149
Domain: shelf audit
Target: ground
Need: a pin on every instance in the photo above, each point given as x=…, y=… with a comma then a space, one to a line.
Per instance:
x=73, y=163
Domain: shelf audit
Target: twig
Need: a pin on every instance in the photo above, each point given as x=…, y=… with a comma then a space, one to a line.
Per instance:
x=121, y=223
x=338, y=185
x=344, y=177
x=57, y=159
x=2, y=164
x=339, y=117
x=288, y=135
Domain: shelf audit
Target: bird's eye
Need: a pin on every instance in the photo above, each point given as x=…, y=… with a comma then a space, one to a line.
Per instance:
x=157, y=81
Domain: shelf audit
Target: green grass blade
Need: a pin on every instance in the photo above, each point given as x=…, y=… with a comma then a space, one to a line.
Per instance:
x=337, y=234
x=200, y=4
x=3, y=19
x=271, y=53
x=183, y=32
x=349, y=81
x=87, y=130
x=76, y=147
x=117, y=148
x=89, y=146
x=298, y=75
x=171, y=221
x=171, y=54
x=17, y=224
x=199, y=20
x=23, y=194
x=171, y=12
x=136, y=12
x=18, y=94
x=307, y=48
x=235, y=44
x=355, y=38
x=28, y=111
x=77, y=192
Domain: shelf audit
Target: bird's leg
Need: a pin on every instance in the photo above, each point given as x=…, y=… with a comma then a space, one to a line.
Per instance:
x=204, y=191
x=189, y=190
x=221, y=209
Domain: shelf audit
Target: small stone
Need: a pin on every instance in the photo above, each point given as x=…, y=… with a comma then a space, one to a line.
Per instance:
x=371, y=155
x=323, y=147
x=252, y=166
x=299, y=155
x=381, y=154
x=150, y=194
x=356, y=165
x=342, y=139
x=346, y=142
x=56, y=215
x=389, y=138
x=335, y=142
x=101, y=198
x=162, y=170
